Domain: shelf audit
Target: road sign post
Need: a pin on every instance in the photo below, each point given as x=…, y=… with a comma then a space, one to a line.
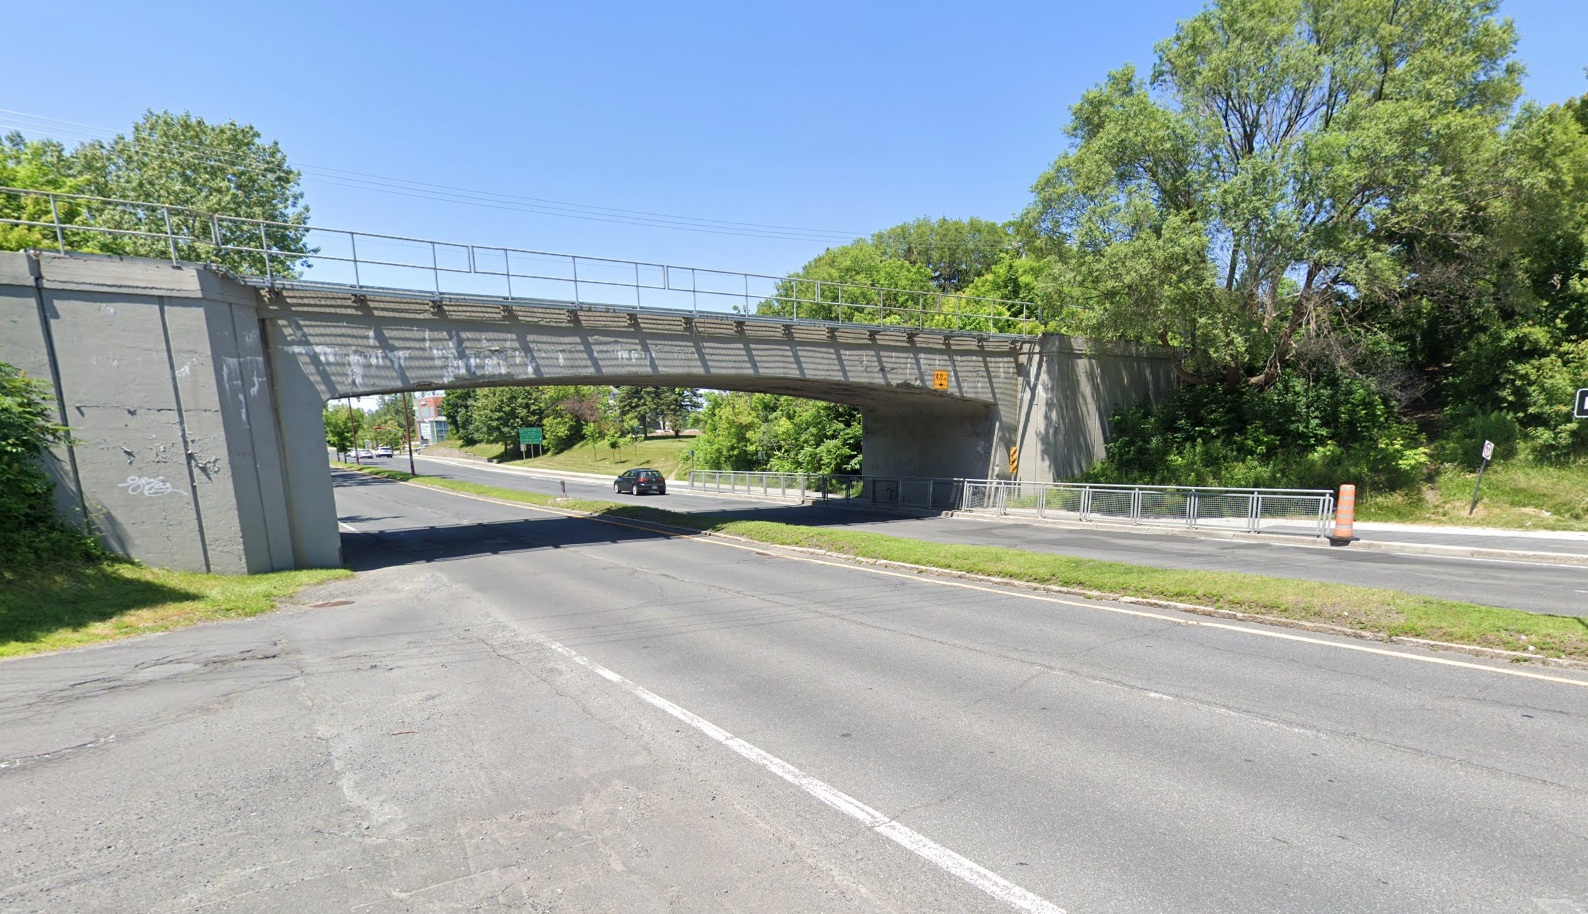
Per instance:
x=1488, y=452
x=528, y=436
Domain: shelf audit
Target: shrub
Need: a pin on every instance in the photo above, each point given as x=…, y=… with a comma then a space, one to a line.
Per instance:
x=1299, y=433
x=29, y=529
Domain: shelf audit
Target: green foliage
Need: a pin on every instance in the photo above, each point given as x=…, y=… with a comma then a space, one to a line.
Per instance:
x=645, y=407
x=741, y=431
x=1262, y=185
x=342, y=427
x=1299, y=433
x=177, y=160
x=40, y=165
x=954, y=251
x=183, y=160
x=457, y=406
x=932, y=271
x=29, y=529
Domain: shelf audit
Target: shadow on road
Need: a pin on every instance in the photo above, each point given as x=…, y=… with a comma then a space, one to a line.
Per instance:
x=367, y=550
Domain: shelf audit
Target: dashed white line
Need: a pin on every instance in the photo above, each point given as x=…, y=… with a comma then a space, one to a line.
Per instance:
x=950, y=862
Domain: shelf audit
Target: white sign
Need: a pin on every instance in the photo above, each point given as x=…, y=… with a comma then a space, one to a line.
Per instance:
x=1582, y=404
x=1488, y=449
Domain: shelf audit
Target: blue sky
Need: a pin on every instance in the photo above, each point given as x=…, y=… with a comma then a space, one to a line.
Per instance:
x=839, y=117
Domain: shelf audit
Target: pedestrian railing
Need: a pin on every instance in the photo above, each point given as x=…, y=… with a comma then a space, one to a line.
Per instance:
x=1306, y=511
x=299, y=255
x=1294, y=511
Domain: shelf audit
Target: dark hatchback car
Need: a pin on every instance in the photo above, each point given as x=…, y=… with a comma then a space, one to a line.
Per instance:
x=641, y=481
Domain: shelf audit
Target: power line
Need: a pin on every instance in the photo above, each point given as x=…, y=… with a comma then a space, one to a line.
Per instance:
x=69, y=130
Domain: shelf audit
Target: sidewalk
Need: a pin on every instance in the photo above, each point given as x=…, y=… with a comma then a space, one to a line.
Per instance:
x=1565, y=547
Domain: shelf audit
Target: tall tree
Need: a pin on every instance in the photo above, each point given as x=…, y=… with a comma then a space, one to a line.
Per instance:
x=181, y=160
x=956, y=251
x=40, y=165
x=457, y=406
x=1259, y=187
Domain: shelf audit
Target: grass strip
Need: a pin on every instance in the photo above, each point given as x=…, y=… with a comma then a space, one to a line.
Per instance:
x=1373, y=611
x=46, y=609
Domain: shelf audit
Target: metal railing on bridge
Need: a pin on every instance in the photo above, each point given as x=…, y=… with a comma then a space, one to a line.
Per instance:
x=1306, y=512
x=283, y=253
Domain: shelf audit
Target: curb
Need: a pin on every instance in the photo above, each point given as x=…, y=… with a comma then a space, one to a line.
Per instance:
x=1471, y=552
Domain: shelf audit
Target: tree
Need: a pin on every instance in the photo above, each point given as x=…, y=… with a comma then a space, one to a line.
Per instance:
x=499, y=412
x=342, y=427
x=457, y=406
x=590, y=409
x=935, y=274
x=40, y=165
x=184, y=161
x=677, y=406
x=644, y=407
x=1260, y=187
x=741, y=431
x=954, y=251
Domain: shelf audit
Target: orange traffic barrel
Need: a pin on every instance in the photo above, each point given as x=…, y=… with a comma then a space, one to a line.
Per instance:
x=1345, y=513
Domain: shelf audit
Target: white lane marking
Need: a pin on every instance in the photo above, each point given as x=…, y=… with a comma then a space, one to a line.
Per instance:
x=965, y=869
x=1010, y=591
x=346, y=527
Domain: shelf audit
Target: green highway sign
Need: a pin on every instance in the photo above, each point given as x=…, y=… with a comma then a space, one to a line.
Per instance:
x=529, y=436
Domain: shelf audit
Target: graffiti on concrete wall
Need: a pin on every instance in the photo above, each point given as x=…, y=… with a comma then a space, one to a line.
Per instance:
x=149, y=486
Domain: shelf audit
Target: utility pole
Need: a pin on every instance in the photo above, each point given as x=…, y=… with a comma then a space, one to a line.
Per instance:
x=354, y=426
x=408, y=425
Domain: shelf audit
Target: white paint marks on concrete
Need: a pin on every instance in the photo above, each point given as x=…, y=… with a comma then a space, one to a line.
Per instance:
x=346, y=527
x=149, y=486
x=965, y=869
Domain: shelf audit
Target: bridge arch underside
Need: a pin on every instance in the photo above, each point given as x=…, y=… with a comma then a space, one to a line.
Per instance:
x=904, y=433
x=931, y=405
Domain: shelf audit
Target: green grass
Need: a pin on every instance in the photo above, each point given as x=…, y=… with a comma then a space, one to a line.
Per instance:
x=46, y=609
x=1385, y=613
x=662, y=452
x=1514, y=495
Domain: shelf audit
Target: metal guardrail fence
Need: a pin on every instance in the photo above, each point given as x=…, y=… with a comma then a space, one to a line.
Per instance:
x=1295, y=511
x=281, y=253
x=1307, y=511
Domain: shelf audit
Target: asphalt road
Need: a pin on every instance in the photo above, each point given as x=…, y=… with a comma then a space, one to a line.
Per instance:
x=1529, y=586
x=532, y=712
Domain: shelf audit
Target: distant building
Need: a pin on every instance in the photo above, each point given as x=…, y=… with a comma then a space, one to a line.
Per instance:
x=427, y=416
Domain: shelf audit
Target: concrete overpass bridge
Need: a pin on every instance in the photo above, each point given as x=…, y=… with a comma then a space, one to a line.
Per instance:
x=195, y=396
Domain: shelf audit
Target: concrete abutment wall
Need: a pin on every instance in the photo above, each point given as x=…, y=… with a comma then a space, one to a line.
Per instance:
x=196, y=400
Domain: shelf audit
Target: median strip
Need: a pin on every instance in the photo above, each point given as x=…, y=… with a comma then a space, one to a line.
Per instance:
x=1338, y=608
